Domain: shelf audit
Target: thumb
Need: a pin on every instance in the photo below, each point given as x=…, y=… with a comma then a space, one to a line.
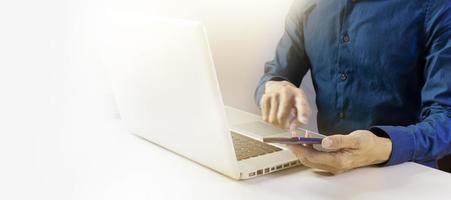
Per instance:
x=336, y=142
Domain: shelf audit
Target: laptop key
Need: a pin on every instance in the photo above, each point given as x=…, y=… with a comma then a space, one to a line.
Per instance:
x=246, y=147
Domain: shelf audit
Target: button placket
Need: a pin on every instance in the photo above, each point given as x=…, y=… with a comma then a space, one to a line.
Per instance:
x=346, y=39
x=343, y=76
x=341, y=115
x=344, y=62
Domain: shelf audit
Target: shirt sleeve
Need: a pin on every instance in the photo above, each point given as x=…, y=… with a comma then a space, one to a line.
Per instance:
x=290, y=62
x=430, y=139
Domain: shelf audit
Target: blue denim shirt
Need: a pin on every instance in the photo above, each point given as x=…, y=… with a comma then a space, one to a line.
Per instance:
x=378, y=65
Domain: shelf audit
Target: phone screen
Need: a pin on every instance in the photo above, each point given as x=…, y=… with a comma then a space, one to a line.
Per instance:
x=292, y=140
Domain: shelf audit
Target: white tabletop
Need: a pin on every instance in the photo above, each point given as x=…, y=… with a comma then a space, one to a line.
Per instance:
x=101, y=160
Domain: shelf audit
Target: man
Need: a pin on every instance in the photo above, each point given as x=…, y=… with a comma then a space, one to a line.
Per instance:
x=382, y=75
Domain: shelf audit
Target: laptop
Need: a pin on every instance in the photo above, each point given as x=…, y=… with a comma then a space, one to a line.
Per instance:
x=167, y=92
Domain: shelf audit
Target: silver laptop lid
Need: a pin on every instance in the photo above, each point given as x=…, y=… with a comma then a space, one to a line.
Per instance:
x=166, y=89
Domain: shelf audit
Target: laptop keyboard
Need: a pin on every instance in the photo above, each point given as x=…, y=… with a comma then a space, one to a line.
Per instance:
x=246, y=147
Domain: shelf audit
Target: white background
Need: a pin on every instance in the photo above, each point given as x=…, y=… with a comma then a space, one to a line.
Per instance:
x=50, y=48
x=51, y=74
x=50, y=65
x=54, y=90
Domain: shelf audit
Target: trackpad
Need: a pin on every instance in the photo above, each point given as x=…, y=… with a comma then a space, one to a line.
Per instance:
x=260, y=129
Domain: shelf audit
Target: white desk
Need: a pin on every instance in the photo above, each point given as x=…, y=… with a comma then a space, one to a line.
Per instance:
x=103, y=161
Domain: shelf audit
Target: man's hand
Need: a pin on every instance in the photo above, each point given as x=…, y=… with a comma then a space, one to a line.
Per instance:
x=358, y=149
x=284, y=104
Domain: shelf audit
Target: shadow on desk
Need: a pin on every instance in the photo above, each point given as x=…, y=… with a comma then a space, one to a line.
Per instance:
x=444, y=164
x=355, y=184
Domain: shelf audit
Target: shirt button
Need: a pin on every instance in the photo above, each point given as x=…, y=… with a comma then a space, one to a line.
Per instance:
x=343, y=76
x=341, y=115
x=346, y=38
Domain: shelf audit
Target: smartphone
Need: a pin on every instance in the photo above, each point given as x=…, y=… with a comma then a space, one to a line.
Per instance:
x=292, y=140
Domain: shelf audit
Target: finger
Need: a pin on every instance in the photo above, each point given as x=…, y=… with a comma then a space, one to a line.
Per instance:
x=328, y=161
x=322, y=167
x=265, y=107
x=302, y=110
x=337, y=172
x=314, y=156
x=272, y=117
x=335, y=142
x=307, y=157
x=284, y=111
x=300, y=151
x=306, y=134
x=293, y=126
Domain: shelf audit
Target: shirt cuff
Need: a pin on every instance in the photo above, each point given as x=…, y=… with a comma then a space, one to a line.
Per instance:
x=403, y=142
